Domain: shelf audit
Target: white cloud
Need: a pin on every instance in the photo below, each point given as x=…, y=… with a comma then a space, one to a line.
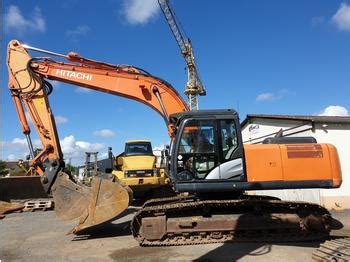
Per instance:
x=104, y=133
x=342, y=17
x=140, y=11
x=15, y=22
x=103, y=155
x=334, y=111
x=61, y=119
x=74, y=150
x=160, y=147
x=17, y=148
x=79, y=31
x=58, y=119
x=11, y=157
x=266, y=97
x=19, y=142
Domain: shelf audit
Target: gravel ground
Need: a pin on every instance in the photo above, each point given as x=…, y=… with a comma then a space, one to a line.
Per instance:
x=40, y=236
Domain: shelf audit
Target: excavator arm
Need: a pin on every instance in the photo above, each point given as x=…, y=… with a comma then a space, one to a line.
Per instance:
x=29, y=88
x=30, y=91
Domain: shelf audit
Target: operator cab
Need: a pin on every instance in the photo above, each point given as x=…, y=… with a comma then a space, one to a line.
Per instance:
x=207, y=150
x=137, y=148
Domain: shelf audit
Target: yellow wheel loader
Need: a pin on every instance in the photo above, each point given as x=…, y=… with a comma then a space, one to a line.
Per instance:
x=137, y=168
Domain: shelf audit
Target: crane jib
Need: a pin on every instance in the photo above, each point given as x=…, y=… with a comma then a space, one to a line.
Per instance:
x=194, y=86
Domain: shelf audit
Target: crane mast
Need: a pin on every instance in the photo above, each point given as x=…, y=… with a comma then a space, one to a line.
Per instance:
x=194, y=86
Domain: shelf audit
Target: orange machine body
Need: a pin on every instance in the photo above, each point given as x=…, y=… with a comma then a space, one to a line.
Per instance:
x=293, y=163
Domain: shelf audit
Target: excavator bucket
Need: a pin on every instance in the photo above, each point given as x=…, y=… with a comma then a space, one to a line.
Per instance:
x=101, y=202
x=21, y=188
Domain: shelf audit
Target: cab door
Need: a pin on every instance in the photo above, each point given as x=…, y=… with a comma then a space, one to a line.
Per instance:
x=230, y=151
x=197, y=153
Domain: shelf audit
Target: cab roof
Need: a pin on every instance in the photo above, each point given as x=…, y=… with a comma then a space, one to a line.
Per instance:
x=174, y=118
x=138, y=141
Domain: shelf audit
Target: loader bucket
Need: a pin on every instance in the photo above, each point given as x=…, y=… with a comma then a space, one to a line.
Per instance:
x=101, y=202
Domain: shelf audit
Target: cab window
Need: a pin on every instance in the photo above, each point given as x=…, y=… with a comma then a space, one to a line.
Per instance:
x=228, y=137
x=196, y=153
x=198, y=137
x=138, y=148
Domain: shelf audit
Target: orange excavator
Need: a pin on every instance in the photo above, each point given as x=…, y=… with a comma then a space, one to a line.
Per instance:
x=207, y=162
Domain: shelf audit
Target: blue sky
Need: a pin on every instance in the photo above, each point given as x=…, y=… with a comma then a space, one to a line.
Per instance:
x=268, y=57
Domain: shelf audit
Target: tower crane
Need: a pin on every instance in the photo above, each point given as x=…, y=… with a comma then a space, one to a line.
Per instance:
x=194, y=86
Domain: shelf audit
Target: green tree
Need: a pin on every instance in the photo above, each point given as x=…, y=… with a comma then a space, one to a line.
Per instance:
x=18, y=171
x=3, y=169
x=71, y=168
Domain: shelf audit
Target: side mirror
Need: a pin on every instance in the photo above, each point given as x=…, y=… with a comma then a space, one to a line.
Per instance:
x=165, y=158
x=110, y=154
x=165, y=152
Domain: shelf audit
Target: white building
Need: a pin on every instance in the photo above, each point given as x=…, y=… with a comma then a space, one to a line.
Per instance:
x=326, y=129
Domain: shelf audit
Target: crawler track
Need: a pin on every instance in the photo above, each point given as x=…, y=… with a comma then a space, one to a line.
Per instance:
x=333, y=250
x=189, y=221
